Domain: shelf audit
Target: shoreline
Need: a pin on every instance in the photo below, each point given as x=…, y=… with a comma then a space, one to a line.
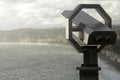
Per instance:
x=30, y=43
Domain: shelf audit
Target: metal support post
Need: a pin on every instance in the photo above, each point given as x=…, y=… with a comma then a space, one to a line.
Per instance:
x=89, y=69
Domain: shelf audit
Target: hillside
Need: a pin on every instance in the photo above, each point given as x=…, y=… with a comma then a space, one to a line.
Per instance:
x=33, y=35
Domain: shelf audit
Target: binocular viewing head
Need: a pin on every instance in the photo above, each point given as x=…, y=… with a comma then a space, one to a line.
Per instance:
x=87, y=29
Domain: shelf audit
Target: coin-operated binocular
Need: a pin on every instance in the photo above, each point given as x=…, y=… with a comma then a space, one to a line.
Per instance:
x=88, y=36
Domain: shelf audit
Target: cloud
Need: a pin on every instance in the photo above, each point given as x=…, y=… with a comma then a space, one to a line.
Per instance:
x=111, y=7
x=45, y=13
x=18, y=1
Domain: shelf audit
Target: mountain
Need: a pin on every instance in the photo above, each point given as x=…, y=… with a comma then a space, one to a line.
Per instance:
x=33, y=35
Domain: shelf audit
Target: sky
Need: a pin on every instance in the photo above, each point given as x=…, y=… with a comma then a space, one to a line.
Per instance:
x=15, y=14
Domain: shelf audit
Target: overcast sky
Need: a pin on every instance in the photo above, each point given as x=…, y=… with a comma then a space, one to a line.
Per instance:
x=16, y=14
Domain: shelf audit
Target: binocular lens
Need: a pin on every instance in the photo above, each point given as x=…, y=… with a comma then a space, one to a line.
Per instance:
x=108, y=39
x=99, y=39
